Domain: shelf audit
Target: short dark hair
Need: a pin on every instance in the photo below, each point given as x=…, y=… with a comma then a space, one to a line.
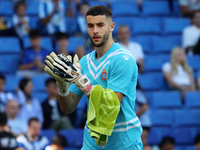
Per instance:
x=49, y=81
x=3, y=119
x=32, y=120
x=23, y=82
x=60, y=140
x=34, y=33
x=61, y=35
x=99, y=10
x=19, y=3
x=2, y=77
x=197, y=139
x=166, y=140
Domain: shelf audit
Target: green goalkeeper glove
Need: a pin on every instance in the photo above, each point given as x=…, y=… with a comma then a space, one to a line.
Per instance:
x=63, y=70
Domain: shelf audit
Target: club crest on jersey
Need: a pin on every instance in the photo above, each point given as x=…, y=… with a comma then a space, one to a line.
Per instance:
x=104, y=75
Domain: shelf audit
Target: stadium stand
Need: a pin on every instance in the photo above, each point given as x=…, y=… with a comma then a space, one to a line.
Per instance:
x=6, y=8
x=192, y=100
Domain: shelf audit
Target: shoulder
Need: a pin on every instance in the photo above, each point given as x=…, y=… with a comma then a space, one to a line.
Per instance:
x=166, y=67
x=21, y=138
x=189, y=29
x=135, y=44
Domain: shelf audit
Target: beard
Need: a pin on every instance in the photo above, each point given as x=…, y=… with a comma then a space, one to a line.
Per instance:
x=103, y=42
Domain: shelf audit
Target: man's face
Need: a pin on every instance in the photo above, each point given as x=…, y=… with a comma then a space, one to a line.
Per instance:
x=21, y=10
x=2, y=84
x=12, y=108
x=62, y=42
x=52, y=89
x=197, y=19
x=34, y=128
x=168, y=147
x=197, y=146
x=35, y=42
x=84, y=9
x=99, y=29
x=123, y=33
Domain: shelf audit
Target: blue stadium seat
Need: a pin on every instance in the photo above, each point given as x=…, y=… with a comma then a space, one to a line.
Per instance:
x=152, y=81
x=155, y=8
x=146, y=26
x=71, y=25
x=48, y=133
x=9, y=63
x=69, y=148
x=80, y=111
x=6, y=8
x=121, y=21
x=124, y=8
x=164, y=45
x=166, y=99
x=39, y=82
x=12, y=82
x=179, y=147
x=40, y=96
x=9, y=45
x=176, y=8
x=93, y=3
x=45, y=43
x=34, y=23
x=33, y=7
x=183, y=136
x=190, y=148
x=157, y=133
x=146, y=43
x=74, y=137
x=74, y=42
x=194, y=62
x=187, y=117
x=162, y=117
x=175, y=25
x=155, y=62
x=192, y=100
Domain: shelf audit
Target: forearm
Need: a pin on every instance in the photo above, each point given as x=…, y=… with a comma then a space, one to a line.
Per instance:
x=26, y=66
x=45, y=20
x=142, y=110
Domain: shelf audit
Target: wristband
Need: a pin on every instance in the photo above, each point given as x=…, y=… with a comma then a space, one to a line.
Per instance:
x=63, y=89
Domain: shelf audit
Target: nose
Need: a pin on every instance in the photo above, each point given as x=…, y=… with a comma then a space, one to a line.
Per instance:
x=95, y=30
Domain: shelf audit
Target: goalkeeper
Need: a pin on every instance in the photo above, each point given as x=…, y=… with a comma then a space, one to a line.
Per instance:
x=110, y=66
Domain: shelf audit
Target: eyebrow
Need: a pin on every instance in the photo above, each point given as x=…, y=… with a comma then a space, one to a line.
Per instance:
x=96, y=23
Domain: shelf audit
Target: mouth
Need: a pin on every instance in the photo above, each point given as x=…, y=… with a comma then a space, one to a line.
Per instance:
x=96, y=38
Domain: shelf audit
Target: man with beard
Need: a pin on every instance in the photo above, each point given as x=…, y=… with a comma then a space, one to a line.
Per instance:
x=109, y=66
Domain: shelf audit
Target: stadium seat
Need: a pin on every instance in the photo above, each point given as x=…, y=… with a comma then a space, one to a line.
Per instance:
x=122, y=21
x=180, y=147
x=74, y=137
x=152, y=81
x=176, y=8
x=12, y=82
x=33, y=7
x=34, y=23
x=9, y=63
x=124, y=8
x=155, y=8
x=187, y=117
x=45, y=43
x=157, y=133
x=146, y=43
x=48, y=133
x=9, y=45
x=71, y=25
x=39, y=82
x=183, y=136
x=166, y=99
x=164, y=45
x=93, y=3
x=162, y=118
x=194, y=62
x=175, y=25
x=190, y=148
x=74, y=42
x=149, y=26
x=155, y=62
x=69, y=148
x=192, y=100
x=6, y=8
x=40, y=96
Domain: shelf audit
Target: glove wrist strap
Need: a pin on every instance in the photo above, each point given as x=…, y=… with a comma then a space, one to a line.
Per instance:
x=83, y=83
x=63, y=89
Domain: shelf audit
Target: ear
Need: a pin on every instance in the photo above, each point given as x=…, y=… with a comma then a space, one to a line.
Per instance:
x=112, y=26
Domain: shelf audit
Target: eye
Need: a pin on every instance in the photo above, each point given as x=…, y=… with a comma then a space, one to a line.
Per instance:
x=90, y=25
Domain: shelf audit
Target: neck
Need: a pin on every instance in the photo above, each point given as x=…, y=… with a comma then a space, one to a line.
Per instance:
x=52, y=97
x=36, y=48
x=12, y=117
x=32, y=136
x=125, y=42
x=103, y=49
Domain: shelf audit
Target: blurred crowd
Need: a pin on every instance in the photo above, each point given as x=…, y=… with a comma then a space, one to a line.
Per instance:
x=23, y=115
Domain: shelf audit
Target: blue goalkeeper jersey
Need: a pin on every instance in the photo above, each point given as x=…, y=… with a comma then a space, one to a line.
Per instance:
x=115, y=70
